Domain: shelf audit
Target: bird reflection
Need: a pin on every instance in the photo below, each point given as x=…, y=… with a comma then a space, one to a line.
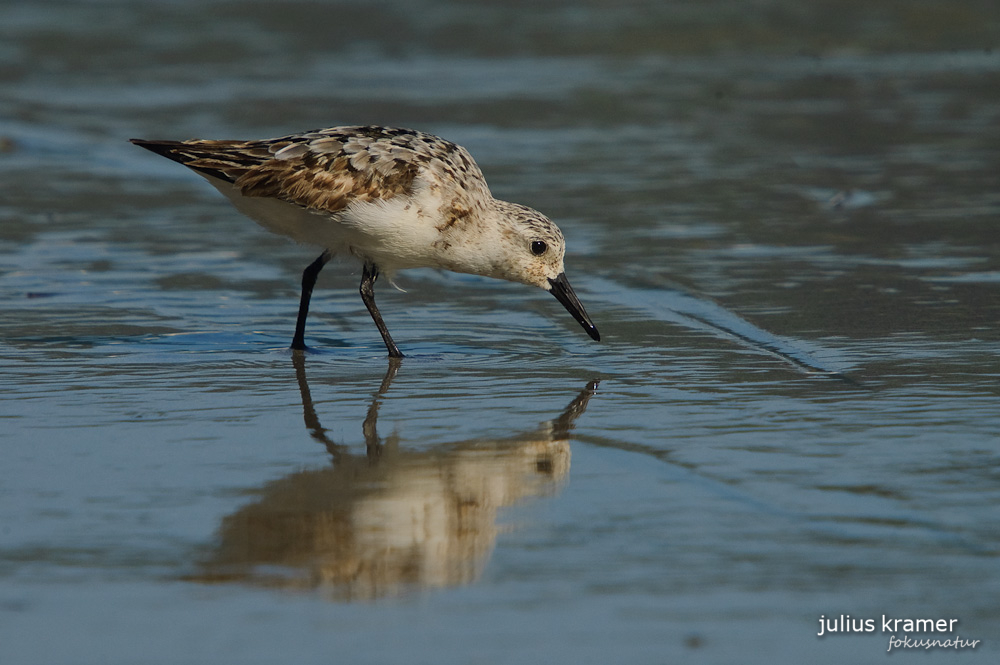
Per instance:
x=391, y=520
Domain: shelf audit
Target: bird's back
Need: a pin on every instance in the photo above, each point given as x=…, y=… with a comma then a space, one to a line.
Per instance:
x=326, y=170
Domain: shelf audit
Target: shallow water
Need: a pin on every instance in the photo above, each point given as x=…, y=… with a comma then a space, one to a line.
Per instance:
x=783, y=220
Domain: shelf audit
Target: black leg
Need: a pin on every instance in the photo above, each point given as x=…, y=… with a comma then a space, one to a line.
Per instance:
x=309, y=276
x=368, y=277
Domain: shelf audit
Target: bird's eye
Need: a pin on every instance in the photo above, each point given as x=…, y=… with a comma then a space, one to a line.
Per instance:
x=538, y=247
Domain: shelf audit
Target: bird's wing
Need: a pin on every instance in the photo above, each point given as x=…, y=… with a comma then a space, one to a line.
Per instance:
x=326, y=169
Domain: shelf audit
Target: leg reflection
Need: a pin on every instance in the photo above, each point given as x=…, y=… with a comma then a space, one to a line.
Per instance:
x=373, y=443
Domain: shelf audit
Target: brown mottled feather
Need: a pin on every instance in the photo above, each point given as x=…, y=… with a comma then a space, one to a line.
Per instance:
x=329, y=169
x=323, y=183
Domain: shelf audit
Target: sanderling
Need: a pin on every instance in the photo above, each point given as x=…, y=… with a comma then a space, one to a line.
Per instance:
x=392, y=198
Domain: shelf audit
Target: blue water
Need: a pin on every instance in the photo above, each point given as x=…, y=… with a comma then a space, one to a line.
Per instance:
x=783, y=222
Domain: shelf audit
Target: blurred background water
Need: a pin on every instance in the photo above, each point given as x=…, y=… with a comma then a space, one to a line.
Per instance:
x=782, y=216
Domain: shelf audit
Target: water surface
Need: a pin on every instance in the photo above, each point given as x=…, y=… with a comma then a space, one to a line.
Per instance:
x=783, y=220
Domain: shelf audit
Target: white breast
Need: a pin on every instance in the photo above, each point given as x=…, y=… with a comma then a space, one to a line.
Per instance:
x=394, y=233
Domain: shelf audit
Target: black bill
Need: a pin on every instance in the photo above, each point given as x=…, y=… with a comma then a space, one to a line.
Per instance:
x=564, y=294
